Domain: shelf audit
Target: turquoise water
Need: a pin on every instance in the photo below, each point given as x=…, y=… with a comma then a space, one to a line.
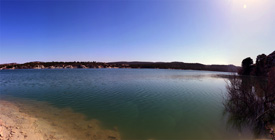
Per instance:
x=140, y=103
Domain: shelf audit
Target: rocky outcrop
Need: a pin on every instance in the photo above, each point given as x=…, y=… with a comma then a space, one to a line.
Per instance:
x=270, y=60
x=51, y=67
x=69, y=67
x=262, y=67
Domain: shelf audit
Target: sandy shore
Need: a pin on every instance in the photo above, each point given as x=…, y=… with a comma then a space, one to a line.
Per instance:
x=34, y=120
x=24, y=119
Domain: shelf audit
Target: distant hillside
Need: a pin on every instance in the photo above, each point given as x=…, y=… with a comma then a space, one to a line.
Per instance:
x=179, y=65
x=135, y=64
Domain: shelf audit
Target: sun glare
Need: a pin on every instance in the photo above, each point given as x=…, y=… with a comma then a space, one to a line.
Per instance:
x=244, y=6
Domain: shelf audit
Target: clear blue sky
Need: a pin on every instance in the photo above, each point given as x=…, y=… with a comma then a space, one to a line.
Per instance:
x=205, y=31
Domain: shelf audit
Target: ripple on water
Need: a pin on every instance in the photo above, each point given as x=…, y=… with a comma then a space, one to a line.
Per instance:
x=143, y=104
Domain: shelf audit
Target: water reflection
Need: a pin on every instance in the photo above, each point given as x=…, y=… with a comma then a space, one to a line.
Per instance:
x=250, y=102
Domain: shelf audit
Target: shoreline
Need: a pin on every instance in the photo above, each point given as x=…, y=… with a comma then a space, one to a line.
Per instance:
x=115, y=65
x=36, y=120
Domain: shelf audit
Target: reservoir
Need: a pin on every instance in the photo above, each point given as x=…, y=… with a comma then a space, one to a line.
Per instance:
x=140, y=104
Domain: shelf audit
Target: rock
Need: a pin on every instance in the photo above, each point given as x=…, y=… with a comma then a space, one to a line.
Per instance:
x=111, y=137
x=51, y=137
x=90, y=126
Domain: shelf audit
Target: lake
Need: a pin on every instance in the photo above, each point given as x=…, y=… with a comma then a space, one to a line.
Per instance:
x=139, y=103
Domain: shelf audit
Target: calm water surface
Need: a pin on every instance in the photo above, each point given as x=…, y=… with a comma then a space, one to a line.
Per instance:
x=141, y=103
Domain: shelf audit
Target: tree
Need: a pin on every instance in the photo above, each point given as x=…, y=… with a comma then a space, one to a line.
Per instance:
x=250, y=103
x=260, y=65
x=246, y=66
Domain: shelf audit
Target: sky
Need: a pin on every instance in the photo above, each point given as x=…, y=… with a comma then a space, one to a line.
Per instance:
x=192, y=31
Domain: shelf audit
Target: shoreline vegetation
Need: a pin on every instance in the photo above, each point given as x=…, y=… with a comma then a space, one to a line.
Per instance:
x=252, y=102
x=262, y=67
x=135, y=64
x=25, y=119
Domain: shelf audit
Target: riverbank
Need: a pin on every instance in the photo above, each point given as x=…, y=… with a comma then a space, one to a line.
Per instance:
x=35, y=120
